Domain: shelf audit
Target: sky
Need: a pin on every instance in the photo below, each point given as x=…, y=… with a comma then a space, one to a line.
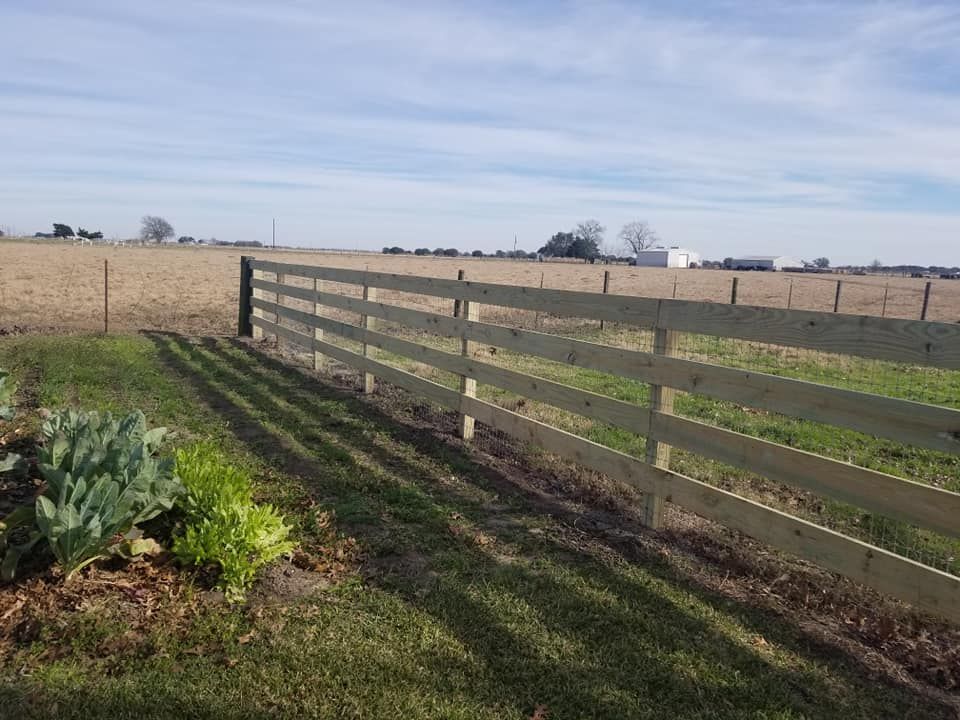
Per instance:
x=756, y=126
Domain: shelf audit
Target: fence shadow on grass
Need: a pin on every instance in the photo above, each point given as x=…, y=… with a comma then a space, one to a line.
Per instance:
x=553, y=614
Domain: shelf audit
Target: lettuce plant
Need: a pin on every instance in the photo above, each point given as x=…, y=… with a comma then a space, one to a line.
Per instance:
x=223, y=524
x=241, y=539
x=209, y=481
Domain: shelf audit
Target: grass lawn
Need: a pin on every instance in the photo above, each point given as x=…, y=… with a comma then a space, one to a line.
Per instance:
x=469, y=599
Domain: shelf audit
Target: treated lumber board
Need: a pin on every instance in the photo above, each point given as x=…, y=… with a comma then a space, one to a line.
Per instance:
x=934, y=427
x=916, y=503
x=254, y=294
x=246, y=292
x=926, y=588
x=368, y=322
x=919, y=504
x=627, y=309
x=470, y=311
x=661, y=403
x=582, y=402
x=430, y=390
x=908, y=341
x=929, y=426
x=318, y=362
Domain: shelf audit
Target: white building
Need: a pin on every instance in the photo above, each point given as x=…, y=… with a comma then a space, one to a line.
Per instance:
x=773, y=263
x=674, y=257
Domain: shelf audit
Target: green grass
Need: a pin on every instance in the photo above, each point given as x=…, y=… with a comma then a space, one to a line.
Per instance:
x=895, y=380
x=444, y=626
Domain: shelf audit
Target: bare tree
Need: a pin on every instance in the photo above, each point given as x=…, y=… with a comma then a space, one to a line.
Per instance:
x=590, y=230
x=637, y=236
x=155, y=229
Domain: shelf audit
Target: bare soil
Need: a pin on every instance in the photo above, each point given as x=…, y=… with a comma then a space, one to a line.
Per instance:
x=193, y=290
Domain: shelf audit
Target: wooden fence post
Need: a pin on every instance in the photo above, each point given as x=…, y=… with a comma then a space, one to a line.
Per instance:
x=886, y=291
x=536, y=315
x=606, y=288
x=733, y=291
x=278, y=319
x=790, y=294
x=318, y=363
x=106, y=298
x=461, y=275
x=368, y=322
x=470, y=312
x=926, y=300
x=661, y=401
x=257, y=312
x=244, y=326
x=836, y=298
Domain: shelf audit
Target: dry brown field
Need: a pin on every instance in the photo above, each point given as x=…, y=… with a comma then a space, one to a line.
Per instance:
x=47, y=286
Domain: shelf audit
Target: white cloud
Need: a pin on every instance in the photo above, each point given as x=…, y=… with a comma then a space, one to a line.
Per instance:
x=746, y=127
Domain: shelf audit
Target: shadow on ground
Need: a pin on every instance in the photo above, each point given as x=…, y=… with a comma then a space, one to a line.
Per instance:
x=539, y=607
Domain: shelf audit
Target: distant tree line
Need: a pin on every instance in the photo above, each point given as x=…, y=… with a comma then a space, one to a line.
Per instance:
x=153, y=229
x=453, y=252
x=62, y=230
x=584, y=242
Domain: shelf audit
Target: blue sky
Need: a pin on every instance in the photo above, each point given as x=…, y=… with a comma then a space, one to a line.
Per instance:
x=806, y=128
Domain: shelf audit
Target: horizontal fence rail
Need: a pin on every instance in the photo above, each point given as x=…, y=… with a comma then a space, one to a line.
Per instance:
x=912, y=341
x=929, y=426
x=904, y=421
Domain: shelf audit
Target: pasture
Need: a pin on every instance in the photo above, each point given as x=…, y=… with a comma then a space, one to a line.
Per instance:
x=490, y=578
x=44, y=285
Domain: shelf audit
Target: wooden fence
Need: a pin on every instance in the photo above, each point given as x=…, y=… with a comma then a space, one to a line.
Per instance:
x=915, y=342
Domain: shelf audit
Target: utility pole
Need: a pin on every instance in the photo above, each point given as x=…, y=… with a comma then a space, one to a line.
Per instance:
x=274, y=233
x=514, y=244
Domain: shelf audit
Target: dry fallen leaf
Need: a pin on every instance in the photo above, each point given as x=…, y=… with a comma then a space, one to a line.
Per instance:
x=13, y=608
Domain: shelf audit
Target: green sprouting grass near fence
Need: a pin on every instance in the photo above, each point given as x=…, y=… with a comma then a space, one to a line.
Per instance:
x=893, y=379
x=547, y=616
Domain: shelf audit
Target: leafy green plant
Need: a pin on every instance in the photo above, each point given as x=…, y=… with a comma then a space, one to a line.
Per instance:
x=209, y=480
x=7, y=389
x=88, y=445
x=223, y=524
x=12, y=461
x=82, y=523
x=102, y=479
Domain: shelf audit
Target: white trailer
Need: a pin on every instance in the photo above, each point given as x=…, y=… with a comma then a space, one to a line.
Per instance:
x=674, y=257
